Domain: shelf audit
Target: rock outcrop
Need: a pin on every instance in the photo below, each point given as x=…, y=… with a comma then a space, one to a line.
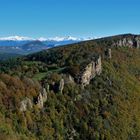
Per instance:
x=26, y=104
x=40, y=102
x=128, y=41
x=137, y=39
x=42, y=97
x=124, y=40
x=61, y=85
x=90, y=71
x=98, y=66
x=58, y=86
x=68, y=79
x=48, y=87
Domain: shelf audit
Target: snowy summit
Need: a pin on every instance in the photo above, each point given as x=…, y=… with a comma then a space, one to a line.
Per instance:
x=21, y=38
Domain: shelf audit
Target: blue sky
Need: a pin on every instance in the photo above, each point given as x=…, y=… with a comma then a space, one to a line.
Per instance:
x=81, y=18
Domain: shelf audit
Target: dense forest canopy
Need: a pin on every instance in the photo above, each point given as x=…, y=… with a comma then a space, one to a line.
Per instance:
x=106, y=109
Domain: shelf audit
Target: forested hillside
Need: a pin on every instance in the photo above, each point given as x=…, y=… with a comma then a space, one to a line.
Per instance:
x=41, y=97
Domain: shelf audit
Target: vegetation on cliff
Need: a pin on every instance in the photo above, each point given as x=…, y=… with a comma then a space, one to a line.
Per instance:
x=106, y=109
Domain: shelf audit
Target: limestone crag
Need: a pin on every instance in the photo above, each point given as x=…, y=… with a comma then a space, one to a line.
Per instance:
x=26, y=104
x=61, y=85
x=90, y=71
x=40, y=102
x=68, y=79
x=137, y=42
x=98, y=66
x=42, y=97
x=128, y=41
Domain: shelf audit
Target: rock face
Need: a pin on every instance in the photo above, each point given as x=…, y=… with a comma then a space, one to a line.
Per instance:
x=40, y=102
x=68, y=79
x=98, y=66
x=26, y=104
x=129, y=41
x=61, y=85
x=47, y=87
x=90, y=71
x=42, y=97
x=137, y=42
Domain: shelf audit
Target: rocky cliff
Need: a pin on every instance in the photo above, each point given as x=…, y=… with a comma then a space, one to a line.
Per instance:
x=90, y=71
x=42, y=97
x=125, y=40
x=27, y=103
x=61, y=85
x=129, y=42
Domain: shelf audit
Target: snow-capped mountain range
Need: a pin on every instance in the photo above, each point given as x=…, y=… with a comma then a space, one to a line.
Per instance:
x=26, y=45
x=15, y=38
x=21, y=38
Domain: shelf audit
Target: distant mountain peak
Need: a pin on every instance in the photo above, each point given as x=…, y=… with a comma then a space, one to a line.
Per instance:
x=69, y=38
x=16, y=38
x=64, y=38
x=35, y=43
x=57, y=39
x=26, y=45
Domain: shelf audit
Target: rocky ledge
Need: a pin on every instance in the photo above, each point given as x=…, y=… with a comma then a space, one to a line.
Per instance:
x=89, y=71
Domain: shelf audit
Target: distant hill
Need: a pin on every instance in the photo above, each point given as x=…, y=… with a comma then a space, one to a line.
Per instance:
x=30, y=47
x=74, y=51
x=34, y=46
x=5, y=56
x=17, y=44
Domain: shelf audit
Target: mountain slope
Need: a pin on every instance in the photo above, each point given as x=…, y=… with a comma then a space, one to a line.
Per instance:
x=80, y=51
x=34, y=46
x=108, y=108
x=27, y=48
x=5, y=56
x=56, y=41
x=16, y=44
